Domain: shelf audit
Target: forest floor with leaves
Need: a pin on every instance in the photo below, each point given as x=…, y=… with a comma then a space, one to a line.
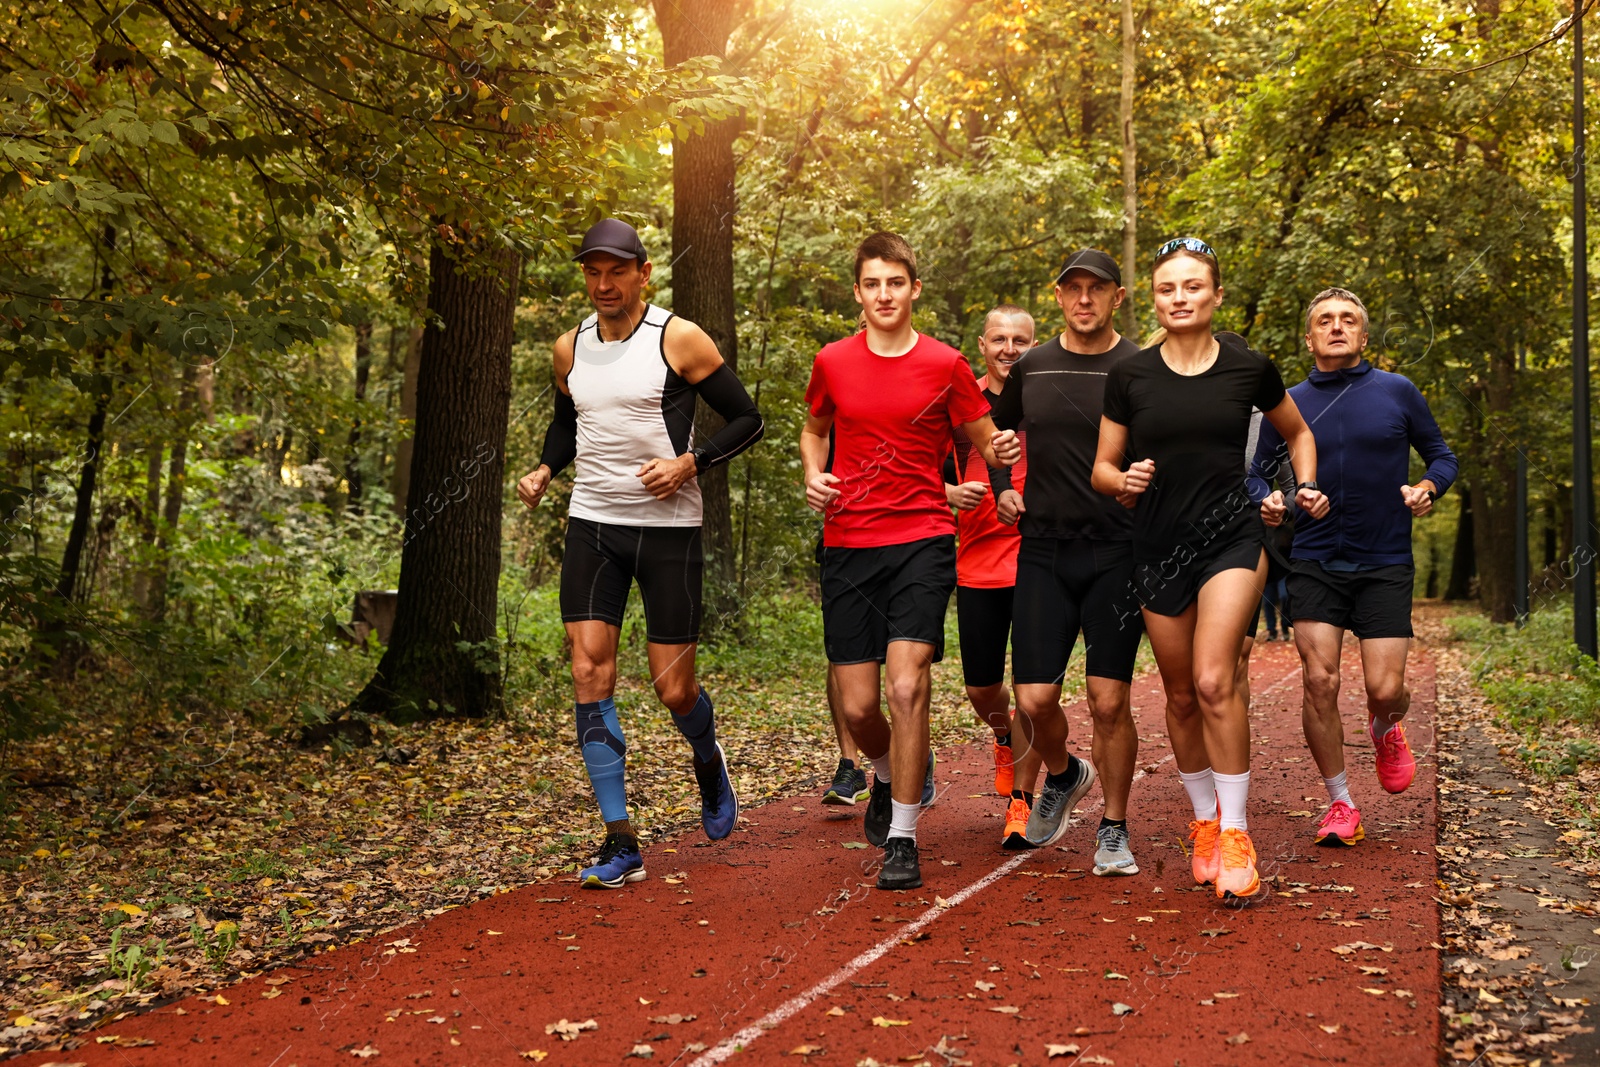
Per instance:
x=1519, y=880
x=142, y=862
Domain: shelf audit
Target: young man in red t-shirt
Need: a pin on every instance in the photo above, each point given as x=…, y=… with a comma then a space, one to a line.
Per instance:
x=890, y=396
x=986, y=578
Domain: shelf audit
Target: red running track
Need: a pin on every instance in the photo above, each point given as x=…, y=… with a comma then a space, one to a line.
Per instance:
x=751, y=950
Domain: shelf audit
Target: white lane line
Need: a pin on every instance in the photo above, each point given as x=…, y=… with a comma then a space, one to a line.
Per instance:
x=789, y=1008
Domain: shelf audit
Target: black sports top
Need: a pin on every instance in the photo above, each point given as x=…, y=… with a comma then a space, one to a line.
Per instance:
x=1059, y=394
x=1195, y=428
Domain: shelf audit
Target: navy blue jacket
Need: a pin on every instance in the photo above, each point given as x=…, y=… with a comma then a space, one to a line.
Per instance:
x=1366, y=423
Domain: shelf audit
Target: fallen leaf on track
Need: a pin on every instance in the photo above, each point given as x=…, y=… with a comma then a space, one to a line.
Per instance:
x=1006, y=1009
x=1241, y=1038
x=366, y=1052
x=1052, y=1051
x=534, y=1054
x=568, y=1030
x=1120, y=1008
x=878, y=1020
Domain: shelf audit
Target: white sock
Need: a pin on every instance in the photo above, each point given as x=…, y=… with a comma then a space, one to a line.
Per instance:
x=903, y=820
x=880, y=767
x=1233, y=792
x=1378, y=728
x=1202, y=793
x=1338, y=789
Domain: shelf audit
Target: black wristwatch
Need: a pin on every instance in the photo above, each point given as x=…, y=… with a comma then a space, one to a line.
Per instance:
x=1431, y=494
x=1308, y=485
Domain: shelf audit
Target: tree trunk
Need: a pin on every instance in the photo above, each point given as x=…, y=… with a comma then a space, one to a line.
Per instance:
x=177, y=475
x=144, y=577
x=352, y=460
x=1130, y=174
x=703, y=206
x=53, y=637
x=1463, y=560
x=401, y=485
x=450, y=563
x=1495, y=503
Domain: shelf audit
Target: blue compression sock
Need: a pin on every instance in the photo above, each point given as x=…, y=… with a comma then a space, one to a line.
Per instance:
x=600, y=738
x=699, y=728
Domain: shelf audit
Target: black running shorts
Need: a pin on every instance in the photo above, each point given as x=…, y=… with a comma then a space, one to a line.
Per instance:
x=1169, y=585
x=1064, y=586
x=602, y=560
x=1373, y=603
x=871, y=596
x=983, y=617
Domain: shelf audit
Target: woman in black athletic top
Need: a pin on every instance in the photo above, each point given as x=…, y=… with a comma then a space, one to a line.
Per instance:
x=1183, y=407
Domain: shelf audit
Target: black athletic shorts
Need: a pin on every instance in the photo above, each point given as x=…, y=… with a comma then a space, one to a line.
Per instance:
x=871, y=596
x=602, y=560
x=1064, y=586
x=1169, y=585
x=1374, y=603
x=983, y=617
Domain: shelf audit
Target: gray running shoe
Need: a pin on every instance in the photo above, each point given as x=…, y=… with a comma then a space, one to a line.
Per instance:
x=900, y=868
x=1052, y=808
x=1113, y=856
x=849, y=785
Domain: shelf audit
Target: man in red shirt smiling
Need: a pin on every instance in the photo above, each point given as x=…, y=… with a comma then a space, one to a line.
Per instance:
x=890, y=396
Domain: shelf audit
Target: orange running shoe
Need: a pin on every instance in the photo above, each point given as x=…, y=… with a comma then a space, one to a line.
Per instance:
x=1396, y=765
x=1206, y=858
x=1014, y=837
x=1238, y=878
x=1004, y=773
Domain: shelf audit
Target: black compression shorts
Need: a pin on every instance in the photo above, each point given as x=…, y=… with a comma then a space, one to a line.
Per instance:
x=1064, y=586
x=872, y=596
x=983, y=617
x=603, y=560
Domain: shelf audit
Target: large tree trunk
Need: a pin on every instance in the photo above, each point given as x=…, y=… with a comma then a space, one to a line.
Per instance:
x=450, y=564
x=352, y=459
x=1130, y=174
x=1463, y=561
x=703, y=206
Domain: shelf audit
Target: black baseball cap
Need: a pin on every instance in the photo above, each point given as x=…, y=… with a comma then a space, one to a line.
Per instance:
x=614, y=236
x=1095, y=262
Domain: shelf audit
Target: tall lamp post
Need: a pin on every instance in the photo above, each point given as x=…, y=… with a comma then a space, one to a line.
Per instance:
x=1583, y=605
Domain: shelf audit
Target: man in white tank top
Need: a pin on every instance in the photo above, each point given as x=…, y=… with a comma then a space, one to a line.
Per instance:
x=626, y=382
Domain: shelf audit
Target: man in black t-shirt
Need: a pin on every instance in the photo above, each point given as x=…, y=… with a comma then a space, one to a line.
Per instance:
x=1075, y=566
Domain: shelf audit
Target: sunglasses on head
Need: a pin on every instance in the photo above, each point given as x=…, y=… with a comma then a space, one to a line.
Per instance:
x=1186, y=244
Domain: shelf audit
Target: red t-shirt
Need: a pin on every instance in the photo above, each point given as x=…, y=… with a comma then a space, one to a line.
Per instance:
x=892, y=418
x=986, y=549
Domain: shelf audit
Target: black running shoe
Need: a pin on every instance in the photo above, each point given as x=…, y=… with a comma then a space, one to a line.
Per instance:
x=879, y=813
x=900, y=868
x=849, y=785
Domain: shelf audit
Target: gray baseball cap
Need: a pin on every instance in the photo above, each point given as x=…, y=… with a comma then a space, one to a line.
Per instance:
x=613, y=236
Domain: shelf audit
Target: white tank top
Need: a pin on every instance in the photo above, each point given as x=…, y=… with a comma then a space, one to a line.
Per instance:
x=632, y=408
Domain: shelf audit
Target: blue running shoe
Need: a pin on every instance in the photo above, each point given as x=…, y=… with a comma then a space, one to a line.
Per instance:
x=719, y=808
x=620, y=863
x=928, y=792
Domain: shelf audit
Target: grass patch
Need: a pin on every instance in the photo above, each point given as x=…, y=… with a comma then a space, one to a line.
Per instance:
x=1542, y=688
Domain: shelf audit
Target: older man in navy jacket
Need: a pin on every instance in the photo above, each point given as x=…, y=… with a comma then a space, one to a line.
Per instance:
x=1353, y=570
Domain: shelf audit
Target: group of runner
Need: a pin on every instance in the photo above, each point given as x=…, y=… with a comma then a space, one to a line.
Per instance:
x=1096, y=488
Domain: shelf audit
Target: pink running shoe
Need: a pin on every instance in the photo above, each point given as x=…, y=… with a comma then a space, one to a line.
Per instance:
x=1396, y=765
x=1340, y=826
